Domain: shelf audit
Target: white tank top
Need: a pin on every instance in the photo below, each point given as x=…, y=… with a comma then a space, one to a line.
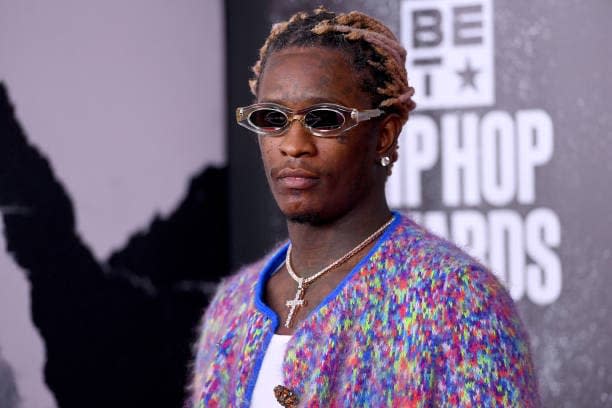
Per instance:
x=271, y=373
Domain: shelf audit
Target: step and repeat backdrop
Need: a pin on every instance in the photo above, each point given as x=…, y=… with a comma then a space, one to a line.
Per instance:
x=508, y=154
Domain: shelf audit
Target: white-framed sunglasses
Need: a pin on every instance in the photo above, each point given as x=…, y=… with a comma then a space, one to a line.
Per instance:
x=322, y=119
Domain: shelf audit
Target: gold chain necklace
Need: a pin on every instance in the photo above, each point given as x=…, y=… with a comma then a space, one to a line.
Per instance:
x=298, y=300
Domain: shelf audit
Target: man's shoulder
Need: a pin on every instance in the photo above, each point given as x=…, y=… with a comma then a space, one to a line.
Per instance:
x=425, y=260
x=422, y=248
x=242, y=282
x=436, y=269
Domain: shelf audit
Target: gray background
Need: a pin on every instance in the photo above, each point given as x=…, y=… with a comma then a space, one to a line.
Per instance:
x=550, y=55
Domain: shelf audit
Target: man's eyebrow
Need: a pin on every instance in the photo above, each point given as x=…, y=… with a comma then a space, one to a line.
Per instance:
x=306, y=100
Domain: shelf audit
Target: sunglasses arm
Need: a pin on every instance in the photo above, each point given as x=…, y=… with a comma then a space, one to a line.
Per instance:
x=239, y=114
x=360, y=116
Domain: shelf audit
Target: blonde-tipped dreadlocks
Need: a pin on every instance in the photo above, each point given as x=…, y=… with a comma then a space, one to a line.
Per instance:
x=371, y=44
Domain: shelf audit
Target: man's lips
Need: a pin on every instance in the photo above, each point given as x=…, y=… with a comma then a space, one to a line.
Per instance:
x=297, y=179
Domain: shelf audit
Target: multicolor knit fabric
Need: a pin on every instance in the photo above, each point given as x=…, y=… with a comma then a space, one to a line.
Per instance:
x=417, y=323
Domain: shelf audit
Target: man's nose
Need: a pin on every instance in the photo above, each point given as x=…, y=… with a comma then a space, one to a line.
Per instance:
x=297, y=141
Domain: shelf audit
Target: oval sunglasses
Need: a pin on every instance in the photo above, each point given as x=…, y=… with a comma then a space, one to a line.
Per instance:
x=322, y=120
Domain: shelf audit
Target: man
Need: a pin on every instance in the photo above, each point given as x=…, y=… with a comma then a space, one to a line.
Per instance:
x=362, y=307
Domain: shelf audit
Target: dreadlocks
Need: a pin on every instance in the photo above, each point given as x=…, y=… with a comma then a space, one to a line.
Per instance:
x=373, y=47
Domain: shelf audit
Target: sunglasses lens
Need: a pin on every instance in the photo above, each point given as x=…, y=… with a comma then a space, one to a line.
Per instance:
x=324, y=119
x=268, y=119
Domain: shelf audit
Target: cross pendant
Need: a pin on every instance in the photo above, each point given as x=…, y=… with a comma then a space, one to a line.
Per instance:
x=296, y=302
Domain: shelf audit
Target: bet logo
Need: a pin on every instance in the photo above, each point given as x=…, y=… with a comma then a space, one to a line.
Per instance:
x=450, y=58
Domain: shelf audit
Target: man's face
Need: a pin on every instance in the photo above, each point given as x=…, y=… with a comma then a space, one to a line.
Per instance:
x=316, y=179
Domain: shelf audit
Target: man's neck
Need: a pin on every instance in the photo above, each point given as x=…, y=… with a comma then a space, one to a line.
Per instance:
x=316, y=246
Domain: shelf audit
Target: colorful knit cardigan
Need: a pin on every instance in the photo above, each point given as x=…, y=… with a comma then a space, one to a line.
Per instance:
x=416, y=323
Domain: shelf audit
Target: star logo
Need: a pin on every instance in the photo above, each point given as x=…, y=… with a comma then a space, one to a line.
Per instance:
x=468, y=76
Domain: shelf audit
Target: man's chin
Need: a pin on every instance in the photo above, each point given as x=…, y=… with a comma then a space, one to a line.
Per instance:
x=306, y=218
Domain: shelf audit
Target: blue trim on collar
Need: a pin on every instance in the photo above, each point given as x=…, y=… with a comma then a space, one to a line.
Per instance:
x=271, y=266
x=397, y=218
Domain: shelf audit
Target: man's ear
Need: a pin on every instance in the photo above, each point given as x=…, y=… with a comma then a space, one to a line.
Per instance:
x=390, y=128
